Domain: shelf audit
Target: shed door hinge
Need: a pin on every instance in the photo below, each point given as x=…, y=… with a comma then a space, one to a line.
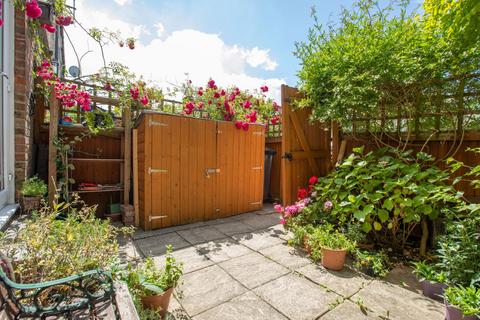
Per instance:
x=257, y=168
x=157, y=123
x=156, y=217
x=150, y=171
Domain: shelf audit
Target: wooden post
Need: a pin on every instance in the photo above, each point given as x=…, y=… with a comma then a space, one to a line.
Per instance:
x=286, y=147
x=335, y=132
x=52, y=150
x=127, y=155
x=135, y=177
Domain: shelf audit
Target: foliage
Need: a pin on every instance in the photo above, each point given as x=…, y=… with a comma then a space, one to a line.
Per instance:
x=98, y=121
x=374, y=263
x=387, y=192
x=33, y=187
x=429, y=272
x=300, y=233
x=325, y=237
x=230, y=104
x=148, y=280
x=387, y=62
x=47, y=248
x=459, y=251
x=467, y=299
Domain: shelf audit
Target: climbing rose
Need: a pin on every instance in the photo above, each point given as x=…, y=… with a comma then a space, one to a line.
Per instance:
x=216, y=95
x=201, y=105
x=252, y=117
x=64, y=21
x=32, y=10
x=211, y=84
x=313, y=180
x=264, y=88
x=135, y=93
x=48, y=27
x=238, y=124
x=144, y=100
x=107, y=86
x=275, y=106
x=245, y=126
x=275, y=120
x=247, y=104
x=200, y=93
x=302, y=193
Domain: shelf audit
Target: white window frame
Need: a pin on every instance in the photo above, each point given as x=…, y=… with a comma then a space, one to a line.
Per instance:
x=7, y=195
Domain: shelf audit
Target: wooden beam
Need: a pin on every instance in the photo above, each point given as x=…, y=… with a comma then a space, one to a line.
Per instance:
x=286, y=166
x=127, y=155
x=135, y=177
x=341, y=153
x=303, y=141
x=52, y=150
x=335, y=136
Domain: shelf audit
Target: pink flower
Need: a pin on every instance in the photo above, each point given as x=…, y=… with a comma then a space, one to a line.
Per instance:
x=328, y=205
x=32, y=10
x=239, y=124
x=313, y=180
x=245, y=126
x=275, y=106
x=283, y=221
x=211, y=83
x=64, y=20
x=216, y=95
x=247, y=104
x=107, y=86
x=264, y=88
x=135, y=93
x=278, y=208
x=201, y=105
x=252, y=117
x=200, y=93
x=222, y=92
x=275, y=120
x=49, y=27
x=144, y=100
x=302, y=193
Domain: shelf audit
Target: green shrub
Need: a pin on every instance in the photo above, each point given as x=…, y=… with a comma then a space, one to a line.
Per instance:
x=388, y=193
x=47, y=248
x=33, y=187
x=429, y=272
x=372, y=263
x=466, y=299
x=326, y=237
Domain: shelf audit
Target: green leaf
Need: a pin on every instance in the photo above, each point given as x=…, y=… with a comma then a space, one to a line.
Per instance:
x=383, y=215
x=352, y=198
x=366, y=227
x=377, y=226
x=388, y=204
x=360, y=215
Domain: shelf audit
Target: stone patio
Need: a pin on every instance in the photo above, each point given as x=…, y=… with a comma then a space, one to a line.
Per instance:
x=241, y=268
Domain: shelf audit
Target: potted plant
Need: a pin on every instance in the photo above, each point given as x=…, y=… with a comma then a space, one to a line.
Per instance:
x=431, y=281
x=462, y=303
x=331, y=246
x=32, y=192
x=374, y=264
x=155, y=286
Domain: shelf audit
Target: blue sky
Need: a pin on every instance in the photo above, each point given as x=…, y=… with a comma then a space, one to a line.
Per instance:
x=256, y=36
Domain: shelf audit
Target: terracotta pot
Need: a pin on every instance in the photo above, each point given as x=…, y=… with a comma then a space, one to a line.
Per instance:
x=30, y=203
x=453, y=313
x=333, y=259
x=307, y=247
x=158, y=302
x=433, y=290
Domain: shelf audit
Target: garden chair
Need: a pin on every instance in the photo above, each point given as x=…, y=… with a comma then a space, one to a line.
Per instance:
x=66, y=297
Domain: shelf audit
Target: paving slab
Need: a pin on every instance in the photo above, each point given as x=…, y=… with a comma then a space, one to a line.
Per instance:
x=262, y=221
x=258, y=240
x=253, y=270
x=349, y=310
x=280, y=232
x=345, y=282
x=245, y=307
x=296, y=297
x=222, y=250
x=404, y=277
x=287, y=256
x=191, y=257
x=128, y=250
x=399, y=303
x=233, y=227
x=176, y=311
x=201, y=234
x=142, y=234
x=155, y=246
x=207, y=288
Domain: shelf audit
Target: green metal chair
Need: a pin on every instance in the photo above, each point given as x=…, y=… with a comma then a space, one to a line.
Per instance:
x=62, y=297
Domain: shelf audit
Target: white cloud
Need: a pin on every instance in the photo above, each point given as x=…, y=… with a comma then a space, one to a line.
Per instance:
x=167, y=58
x=123, y=2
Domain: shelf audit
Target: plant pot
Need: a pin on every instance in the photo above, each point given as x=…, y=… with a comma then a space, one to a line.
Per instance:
x=453, y=313
x=158, y=302
x=307, y=247
x=30, y=203
x=433, y=290
x=333, y=259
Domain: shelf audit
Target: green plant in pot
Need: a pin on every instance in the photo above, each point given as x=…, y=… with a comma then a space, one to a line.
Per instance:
x=374, y=264
x=155, y=285
x=431, y=281
x=462, y=303
x=331, y=245
x=33, y=189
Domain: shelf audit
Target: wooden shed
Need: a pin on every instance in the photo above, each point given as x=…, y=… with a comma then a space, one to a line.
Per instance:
x=192, y=170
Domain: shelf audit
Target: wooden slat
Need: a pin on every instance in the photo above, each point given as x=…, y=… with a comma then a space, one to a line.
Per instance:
x=52, y=150
x=135, y=176
x=303, y=140
x=128, y=154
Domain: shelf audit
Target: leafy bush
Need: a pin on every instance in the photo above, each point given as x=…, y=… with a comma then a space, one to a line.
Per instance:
x=326, y=237
x=466, y=299
x=47, y=248
x=33, y=187
x=429, y=272
x=372, y=263
x=389, y=193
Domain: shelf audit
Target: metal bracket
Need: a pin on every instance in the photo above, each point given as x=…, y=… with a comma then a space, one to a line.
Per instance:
x=209, y=171
x=288, y=156
x=150, y=171
x=157, y=123
x=257, y=168
x=156, y=217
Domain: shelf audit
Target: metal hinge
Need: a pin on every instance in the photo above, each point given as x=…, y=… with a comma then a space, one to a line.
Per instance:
x=157, y=123
x=256, y=203
x=288, y=156
x=209, y=171
x=257, y=168
x=150, y=171
x=156, y=217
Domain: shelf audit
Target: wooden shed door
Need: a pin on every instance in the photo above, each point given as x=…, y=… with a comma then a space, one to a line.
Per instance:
x=305, y=147
x=182, y=150
x=240, y=160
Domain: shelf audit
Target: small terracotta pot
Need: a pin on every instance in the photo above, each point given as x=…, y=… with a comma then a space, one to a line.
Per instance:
x=158, y=302
x=433, y=290
x=30, y=203
x=307, y=247
x=333, y=259
x=453, y=313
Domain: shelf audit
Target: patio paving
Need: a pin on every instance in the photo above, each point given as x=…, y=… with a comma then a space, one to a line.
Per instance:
x=242, y=268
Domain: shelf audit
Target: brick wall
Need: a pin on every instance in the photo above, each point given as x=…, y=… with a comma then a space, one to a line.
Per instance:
x=23, y=88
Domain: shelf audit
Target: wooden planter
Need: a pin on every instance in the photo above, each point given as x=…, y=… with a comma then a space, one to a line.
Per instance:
x=192, y=170
x=30, y=204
